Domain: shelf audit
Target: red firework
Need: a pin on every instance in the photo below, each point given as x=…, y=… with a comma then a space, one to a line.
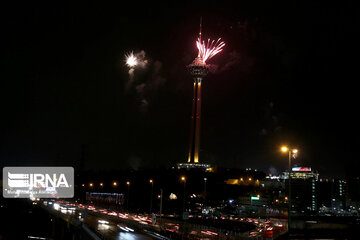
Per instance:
x=209, y=49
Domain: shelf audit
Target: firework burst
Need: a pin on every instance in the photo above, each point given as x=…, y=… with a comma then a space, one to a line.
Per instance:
x=134, y=61
x=209, y=49
x=131, y=60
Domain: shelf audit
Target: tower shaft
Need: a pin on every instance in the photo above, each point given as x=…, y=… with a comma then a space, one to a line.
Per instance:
x=194, y=144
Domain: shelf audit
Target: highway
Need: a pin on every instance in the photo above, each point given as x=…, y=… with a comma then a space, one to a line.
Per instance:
x=103, y=226
x=116, y=225
x=112, y=230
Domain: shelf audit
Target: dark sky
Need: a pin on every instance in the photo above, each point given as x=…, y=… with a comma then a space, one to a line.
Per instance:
x=287, y=75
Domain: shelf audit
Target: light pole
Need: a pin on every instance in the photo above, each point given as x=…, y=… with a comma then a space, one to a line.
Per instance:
x=128, y=196
x=161, y=200
x=205, y=179
x=152, y=190
x=184, y=180
x=290, y=152
x=251, y=198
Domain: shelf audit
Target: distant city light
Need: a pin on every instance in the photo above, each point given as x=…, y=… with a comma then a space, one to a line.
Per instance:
x=172, y=196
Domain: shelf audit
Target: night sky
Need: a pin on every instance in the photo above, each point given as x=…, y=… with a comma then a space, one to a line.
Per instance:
x=287, y=75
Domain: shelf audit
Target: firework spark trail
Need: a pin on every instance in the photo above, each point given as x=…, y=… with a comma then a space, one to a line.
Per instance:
x=209, y=50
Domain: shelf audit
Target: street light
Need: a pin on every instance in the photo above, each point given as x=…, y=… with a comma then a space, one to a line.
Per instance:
x=91, y=184
x=290, y=152
x=161, y=203
x=284, y=149
x=151, y=196
x=128, y=196
x=101, y=184
x=114, y=184
x=184, y=180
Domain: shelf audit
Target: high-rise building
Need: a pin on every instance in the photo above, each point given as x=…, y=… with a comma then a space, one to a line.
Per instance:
x=332, y=194
x=304, y=188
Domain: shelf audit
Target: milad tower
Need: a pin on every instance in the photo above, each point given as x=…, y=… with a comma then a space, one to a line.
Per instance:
x=198, y=69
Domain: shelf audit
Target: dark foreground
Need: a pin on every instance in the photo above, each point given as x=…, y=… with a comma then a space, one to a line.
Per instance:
x=23, y=219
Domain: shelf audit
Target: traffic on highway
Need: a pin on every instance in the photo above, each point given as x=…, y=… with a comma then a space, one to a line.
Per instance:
x=120, y=225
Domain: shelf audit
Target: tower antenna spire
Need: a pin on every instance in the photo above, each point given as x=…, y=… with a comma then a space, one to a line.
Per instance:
x=200, y=35
x=200, y=28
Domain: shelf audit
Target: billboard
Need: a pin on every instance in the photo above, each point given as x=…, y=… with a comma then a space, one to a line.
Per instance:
x=109, y=198
x=301, y=169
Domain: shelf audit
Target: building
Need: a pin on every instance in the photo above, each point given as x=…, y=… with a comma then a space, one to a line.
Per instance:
x=203, y=166
x=332, y=194
x=303, y=188
x=253, y=202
